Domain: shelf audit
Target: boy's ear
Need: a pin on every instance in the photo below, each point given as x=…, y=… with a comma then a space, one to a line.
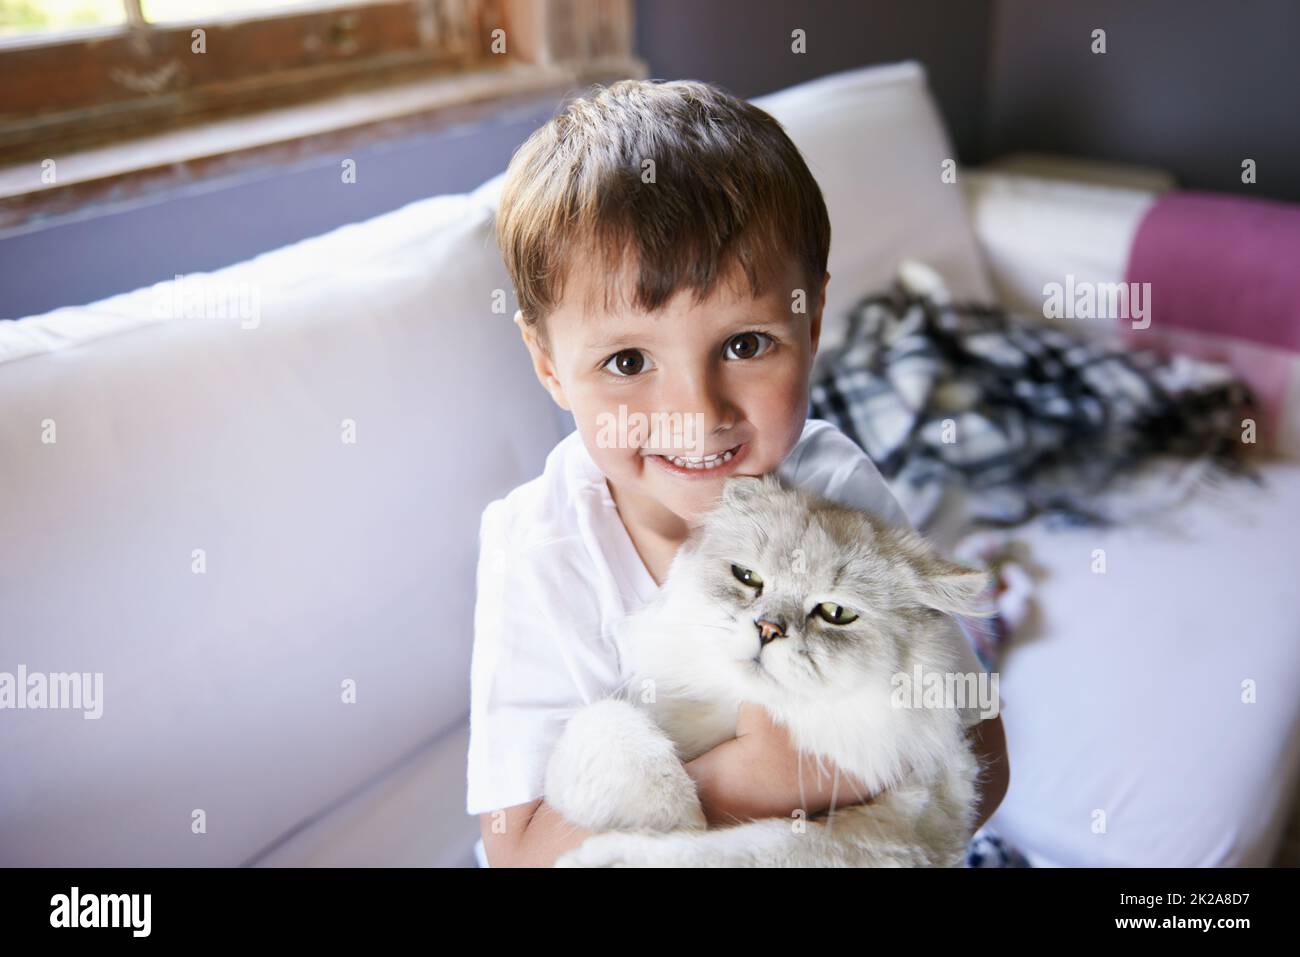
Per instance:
x=543, y=366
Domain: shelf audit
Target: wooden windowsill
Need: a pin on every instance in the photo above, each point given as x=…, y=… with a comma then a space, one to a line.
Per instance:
x=138, y=168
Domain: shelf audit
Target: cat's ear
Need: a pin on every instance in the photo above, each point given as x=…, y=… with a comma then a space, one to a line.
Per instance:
x=947, y=586
x=958, y=591
x=738, y=489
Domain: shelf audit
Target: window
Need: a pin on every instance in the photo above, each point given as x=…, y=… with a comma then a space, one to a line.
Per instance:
x=79, y=73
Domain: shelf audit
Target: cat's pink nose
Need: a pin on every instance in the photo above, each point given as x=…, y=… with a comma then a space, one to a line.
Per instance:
x=768, y=630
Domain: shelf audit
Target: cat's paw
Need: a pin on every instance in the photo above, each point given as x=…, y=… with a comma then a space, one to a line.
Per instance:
x=615, y=849
x=615, y=769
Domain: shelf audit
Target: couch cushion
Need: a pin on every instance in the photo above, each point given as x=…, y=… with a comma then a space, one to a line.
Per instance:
x=325, y=561
x=1034, y=230
x=1124, y=693
x=1224, y=285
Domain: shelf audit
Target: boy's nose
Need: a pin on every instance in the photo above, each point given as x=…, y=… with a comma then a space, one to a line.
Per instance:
x=697, y=396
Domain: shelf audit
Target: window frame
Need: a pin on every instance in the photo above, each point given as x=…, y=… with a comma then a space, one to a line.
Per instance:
x=78, y=90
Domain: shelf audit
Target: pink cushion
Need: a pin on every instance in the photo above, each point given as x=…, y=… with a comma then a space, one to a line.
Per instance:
x=1225, y=286
x=1222, y=265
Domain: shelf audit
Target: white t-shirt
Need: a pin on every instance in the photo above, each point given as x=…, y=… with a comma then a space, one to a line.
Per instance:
x=557, y=571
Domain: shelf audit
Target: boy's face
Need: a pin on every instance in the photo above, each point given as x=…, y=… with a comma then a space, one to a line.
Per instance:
x=723, y=384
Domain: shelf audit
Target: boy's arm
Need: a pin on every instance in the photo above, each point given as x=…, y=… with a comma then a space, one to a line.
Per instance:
x=752, y=776
x=535, y=834
x=989, y=740
x=529, y=835
x=757, y=774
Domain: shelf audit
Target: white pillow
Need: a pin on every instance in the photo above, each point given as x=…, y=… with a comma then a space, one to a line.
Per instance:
x=1034, y=230
x=323, y=560
x=876, y=143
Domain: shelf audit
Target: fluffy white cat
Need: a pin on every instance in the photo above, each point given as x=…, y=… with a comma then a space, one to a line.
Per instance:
x=811, y=610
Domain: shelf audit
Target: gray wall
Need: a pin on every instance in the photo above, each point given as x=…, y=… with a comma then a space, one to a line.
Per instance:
x=1193, y=86
x=744, y=45
x=204, y=227
x=1190, y=85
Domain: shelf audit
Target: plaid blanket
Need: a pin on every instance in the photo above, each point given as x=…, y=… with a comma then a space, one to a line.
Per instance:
x=1024, y=419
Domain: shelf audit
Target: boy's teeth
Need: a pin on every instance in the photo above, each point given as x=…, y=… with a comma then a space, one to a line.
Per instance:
x=700, y=462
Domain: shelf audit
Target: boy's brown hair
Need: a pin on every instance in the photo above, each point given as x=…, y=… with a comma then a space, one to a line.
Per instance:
x=727, y=187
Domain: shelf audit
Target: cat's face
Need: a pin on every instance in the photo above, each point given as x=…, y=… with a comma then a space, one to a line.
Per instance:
x=798, y=596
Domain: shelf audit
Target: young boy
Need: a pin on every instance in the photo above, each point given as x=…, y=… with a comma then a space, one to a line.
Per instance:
x=668, y=246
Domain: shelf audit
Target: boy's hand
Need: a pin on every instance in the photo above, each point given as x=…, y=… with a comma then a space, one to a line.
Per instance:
x=770, y=747
x=758, y=774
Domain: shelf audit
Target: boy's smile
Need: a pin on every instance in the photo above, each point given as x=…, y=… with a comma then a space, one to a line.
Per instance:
x=709, y=466
x=710, y=389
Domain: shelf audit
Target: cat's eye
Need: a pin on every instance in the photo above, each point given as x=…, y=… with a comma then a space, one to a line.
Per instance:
x=747, y=577
x=835, y=614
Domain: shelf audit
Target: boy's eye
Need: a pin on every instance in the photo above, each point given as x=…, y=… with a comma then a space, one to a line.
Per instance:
x=748, y=345
x=628, y=363
x=835, y=614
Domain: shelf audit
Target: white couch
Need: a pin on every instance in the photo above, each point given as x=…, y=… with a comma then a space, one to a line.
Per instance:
x=204, y=535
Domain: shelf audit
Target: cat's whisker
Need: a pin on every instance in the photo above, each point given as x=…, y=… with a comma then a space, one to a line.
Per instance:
x=812, y=661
